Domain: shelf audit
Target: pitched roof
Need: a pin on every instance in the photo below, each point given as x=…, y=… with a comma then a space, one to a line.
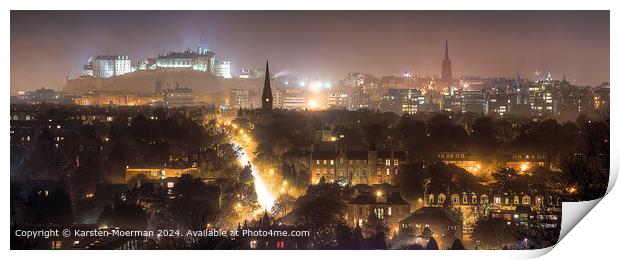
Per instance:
x=431, y=216
x=370, y=199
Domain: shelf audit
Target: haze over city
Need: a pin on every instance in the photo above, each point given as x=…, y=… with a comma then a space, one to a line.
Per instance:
x=325, y=43
x=299, y=130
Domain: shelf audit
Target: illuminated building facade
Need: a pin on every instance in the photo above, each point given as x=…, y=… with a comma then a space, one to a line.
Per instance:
x=526, y=161
x=109, y=98
x=474, y=101
x=243, y=98
x=517, y=207
x=601, y=97
x=41, y=96
x=385, y=205
x=542, y=97
x=522, y=162
x=105, y=66
x=179, y=97
x=338, y=99
x=402, y=101
x=247, y=73
x=291, y=98
x=439, y=220
x=355, y=167
x=200, y=60
x=139, y=175
x=223, y=69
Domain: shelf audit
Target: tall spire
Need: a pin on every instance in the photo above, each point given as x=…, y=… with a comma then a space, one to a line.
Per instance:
x=267, y=98
x=446, y=67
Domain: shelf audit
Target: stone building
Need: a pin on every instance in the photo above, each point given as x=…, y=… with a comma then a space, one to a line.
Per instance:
x=355, y=166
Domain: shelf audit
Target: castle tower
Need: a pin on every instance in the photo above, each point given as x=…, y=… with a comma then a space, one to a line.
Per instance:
x=267, y=98
x=446, y=67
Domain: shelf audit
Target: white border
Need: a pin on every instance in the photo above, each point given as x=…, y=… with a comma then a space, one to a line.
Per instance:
x=595, y=234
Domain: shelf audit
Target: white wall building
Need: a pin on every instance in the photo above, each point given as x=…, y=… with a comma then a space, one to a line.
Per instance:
x=105, y=66
x=222, y=69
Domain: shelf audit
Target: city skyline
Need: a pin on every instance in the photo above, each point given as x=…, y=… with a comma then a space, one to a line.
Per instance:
x=401, y=130
x=330, y=44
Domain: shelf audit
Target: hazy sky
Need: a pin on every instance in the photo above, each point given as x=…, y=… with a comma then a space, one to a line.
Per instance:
x=47, y=46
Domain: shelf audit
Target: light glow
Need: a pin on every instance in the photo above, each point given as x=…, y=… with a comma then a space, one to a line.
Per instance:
x=265, y=198
x=524, y=167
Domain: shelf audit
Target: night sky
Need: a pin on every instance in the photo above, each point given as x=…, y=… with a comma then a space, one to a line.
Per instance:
x=47, y=46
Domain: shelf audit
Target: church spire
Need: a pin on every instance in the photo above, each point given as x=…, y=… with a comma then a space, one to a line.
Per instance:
x=446, y=67
x=267, y=98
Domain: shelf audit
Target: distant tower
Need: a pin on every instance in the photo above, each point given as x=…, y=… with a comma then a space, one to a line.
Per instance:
x=446, y=66
x=267, y=98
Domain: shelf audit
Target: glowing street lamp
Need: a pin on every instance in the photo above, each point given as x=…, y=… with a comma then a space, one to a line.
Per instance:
x=524, y=167
x=313, y=104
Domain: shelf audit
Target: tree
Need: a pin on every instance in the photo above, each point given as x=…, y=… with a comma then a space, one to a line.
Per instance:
x=344, y=236
x=412, y=132
x=376, y=224
x=412, y=179
x=195, y=203
x=380, y=241
x=43, y=207
x=507, y=179
x=320, y=210
x=426, y=233
x=494, y=232
x=357, y=237
x=415, y=246
x=124, y=215
x=457, y=245
x=536, y=235
x=373, y=132
x=483, y=136
x=432, y=244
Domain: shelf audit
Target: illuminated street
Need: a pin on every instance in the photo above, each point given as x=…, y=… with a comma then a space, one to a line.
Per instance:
x=242, y=140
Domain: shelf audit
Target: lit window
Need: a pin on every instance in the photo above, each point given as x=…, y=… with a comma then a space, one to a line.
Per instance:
x=497, y=200
x=331, y=162
x=387, y=162
x=396, y=162
x=253, y=244
x=441, y=198
x=56, y=244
